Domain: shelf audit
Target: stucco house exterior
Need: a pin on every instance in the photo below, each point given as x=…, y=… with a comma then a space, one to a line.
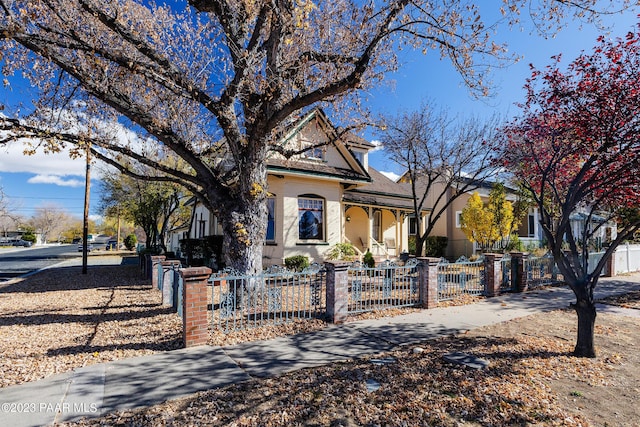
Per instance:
x=329, y=194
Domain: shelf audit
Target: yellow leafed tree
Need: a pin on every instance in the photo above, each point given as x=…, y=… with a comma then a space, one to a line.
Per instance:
x=488, y=223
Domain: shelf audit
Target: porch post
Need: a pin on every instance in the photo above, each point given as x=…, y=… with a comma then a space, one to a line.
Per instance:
x=428, y=281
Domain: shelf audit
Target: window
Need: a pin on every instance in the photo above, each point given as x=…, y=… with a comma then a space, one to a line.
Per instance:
x=377, y=224
x=315, y=153
x=458, y=219
x=532, y=226
x=310, y=218
x=271, y=219
x=413, y=225
x=360, y=156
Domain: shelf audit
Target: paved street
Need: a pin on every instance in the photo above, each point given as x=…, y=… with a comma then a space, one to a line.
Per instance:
x=15, y=262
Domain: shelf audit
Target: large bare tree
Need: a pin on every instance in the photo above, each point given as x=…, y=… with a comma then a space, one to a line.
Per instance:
x=214, y=81
x=445, y=158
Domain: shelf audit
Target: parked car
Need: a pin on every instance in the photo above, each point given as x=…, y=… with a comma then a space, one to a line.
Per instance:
x=76, y=241
x=24, y=243
x=112, y=244
x=89, y=247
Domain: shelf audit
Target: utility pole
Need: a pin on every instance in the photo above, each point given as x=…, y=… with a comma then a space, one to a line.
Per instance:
x=85, y=223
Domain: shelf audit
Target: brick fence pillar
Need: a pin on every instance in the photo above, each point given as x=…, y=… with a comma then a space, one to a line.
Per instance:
x=492, y=274
x=428, y=281
x=610, y=266
x=166, y=285
x=337, y=291
x=519, y=278
x=153, y=262
x=195, y=301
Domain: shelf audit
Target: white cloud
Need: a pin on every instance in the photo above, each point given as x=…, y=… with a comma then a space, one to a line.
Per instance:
x=391, y=175
x=378, y=145
x=62, y=181
x=13, y=159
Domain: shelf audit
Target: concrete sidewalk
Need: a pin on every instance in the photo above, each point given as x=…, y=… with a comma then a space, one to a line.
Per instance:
x=100, y=389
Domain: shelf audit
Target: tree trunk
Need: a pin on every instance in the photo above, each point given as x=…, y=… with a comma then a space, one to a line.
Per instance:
x=586, y=311
x=244, y=219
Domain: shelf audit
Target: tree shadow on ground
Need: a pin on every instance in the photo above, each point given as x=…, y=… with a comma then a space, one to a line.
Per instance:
x=71, y=278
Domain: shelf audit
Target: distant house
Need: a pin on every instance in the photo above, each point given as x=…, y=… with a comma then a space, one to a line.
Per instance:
x=329, y=194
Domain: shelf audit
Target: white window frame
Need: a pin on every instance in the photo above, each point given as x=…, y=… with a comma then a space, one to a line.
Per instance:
x=310, y=200
x=458, y=219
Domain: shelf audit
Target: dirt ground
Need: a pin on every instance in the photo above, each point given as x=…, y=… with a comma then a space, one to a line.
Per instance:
x=605, y=390
x=55, y=321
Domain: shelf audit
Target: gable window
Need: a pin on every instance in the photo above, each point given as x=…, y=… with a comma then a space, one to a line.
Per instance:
x=314, y=152
x=310, y=217
x=359, y=155
x=271, y=219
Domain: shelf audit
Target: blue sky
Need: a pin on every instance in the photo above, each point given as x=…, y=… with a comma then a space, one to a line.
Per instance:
x=31, y=182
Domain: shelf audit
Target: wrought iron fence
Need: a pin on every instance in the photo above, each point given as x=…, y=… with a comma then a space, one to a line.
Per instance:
x=541, y=271
x=273, y=297
x=382, y=287
x=459, y=278
x=506, y=284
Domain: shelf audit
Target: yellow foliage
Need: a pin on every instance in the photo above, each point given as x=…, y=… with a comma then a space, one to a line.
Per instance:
x=242, y=235
x=256, y=190
x=487, y=224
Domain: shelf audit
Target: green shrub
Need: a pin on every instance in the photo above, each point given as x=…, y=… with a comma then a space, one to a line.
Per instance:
x=130, y=242
x=434, y=246
x=412, y=244
x=368, y=260
x=296, y=262
x=342, y=251
x=515, y=244
x=197, y=252
x=29, y=237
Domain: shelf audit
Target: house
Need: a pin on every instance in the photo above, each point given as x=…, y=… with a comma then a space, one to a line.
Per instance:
x=456, y=193
x=329, y=194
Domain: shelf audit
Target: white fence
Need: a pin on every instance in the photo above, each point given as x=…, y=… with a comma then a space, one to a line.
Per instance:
x=627, y=258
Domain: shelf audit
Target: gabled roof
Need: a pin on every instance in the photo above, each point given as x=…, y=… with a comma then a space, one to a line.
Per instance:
x=382, y=191
x=295, y=166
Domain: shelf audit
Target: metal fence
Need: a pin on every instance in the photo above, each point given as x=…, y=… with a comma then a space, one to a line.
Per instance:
x=541, y=271
x=506, y=284
x=273, y=297
x=459, y=278
x=382, y=287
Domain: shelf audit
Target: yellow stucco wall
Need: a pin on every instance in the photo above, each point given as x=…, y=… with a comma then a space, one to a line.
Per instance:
x=287, y=191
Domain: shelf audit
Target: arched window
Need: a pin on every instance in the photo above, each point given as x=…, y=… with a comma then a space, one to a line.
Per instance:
x=310, y=217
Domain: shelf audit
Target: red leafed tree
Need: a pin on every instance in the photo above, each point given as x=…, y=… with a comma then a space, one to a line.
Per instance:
x=576, y=147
